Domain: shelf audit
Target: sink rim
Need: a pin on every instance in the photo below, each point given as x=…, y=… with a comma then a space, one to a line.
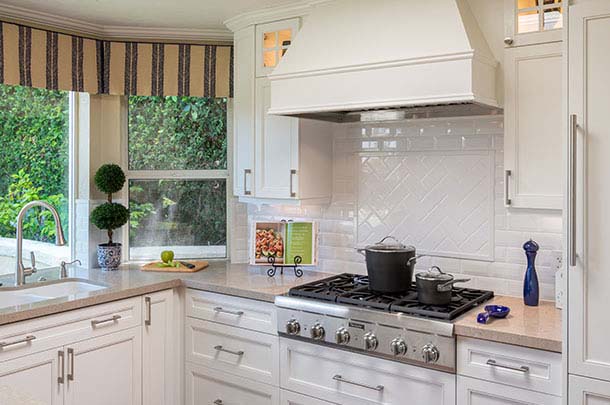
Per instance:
x=53, y=282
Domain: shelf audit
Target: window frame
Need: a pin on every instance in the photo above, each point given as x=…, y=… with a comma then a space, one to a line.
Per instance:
x=224, y=174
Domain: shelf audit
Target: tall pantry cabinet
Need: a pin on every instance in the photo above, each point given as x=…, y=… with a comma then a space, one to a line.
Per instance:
x=588, y=230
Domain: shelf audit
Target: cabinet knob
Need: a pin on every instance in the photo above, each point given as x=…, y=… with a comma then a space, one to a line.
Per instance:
x=508, y=41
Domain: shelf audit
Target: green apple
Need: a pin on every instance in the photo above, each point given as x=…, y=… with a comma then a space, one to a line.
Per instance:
x=167, y=256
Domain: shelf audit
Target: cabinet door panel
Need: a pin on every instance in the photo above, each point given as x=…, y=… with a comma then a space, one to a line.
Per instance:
x=587, y=391
x=276, y=148
x=477, y=392
x=31, y=380
x=533, y=121
x=243, y=113
x=589, y=280
x=159, y=359
x=272, y=42
x=106, y=370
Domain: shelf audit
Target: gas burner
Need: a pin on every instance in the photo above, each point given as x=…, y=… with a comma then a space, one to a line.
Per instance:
x=352, y=289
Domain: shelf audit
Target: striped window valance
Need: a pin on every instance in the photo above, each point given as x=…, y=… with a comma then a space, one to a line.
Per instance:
x=40, y=58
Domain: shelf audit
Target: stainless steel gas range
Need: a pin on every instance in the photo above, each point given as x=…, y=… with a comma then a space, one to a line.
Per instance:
x=342, y=312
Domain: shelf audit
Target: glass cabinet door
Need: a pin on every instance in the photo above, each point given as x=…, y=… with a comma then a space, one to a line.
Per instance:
x=272, y=43
x=533, y=21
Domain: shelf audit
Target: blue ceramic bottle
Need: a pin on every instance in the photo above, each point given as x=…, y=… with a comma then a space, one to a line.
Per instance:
x=530, y=284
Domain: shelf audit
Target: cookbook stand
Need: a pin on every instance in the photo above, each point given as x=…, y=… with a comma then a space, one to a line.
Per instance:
x=297, y=270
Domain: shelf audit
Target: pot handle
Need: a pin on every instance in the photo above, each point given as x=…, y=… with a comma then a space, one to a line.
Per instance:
x=362, y=251
x=447, y=286
x=414, y=259
x=392, y=238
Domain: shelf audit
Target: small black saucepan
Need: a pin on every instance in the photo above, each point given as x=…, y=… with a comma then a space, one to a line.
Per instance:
x=434, y=287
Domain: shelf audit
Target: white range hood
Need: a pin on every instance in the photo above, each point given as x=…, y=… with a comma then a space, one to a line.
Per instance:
x=354, y=56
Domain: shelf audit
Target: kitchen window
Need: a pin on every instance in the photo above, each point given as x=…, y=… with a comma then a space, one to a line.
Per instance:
x=35, y=164
x=177, y=176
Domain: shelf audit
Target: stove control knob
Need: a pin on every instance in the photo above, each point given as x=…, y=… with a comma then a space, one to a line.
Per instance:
x=293, y=327
x=317, y=332
x=370, y=341
x=430, y=353
x=398, y=347
x=342, y=336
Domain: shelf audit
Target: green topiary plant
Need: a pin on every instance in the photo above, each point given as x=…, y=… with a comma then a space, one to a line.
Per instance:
x=109, y=216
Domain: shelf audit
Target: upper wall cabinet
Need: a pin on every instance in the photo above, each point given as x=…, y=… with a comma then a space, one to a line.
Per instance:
x=276, y=159
x=533, y=120
x=532, y=21
x=272, y=42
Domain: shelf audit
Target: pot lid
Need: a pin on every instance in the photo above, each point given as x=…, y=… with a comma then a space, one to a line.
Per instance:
x=383, y=247
x=434, y=273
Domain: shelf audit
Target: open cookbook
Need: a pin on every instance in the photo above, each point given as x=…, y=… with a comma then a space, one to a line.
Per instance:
x=284, y=241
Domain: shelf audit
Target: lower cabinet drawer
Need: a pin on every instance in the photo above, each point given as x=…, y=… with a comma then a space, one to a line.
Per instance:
x=292, y=398
x=213, y=387
x=471, y=391
x=31, y=336
x=521, y=367
x=238, y=351
x=346, y=378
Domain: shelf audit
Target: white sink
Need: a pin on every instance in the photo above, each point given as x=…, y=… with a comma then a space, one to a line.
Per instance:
x=13, y=296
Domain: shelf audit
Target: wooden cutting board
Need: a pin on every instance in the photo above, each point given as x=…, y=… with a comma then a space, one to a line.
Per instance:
x=199, y=265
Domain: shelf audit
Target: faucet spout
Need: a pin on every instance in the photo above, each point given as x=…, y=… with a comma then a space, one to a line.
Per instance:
x=21, y=272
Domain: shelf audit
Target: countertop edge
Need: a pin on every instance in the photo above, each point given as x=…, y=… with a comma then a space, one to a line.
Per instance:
x=531, y=342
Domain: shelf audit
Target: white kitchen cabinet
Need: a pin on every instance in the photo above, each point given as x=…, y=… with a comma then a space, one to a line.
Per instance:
x=105, y=370
x=588, y=391
x=272, y=42
x=276, y=159
x=293, y=156
x=529, y=22
x=533, y=126
x=243, y=113
x=160, y=359
x=471, y=391
x=32, y=379
x=588, y=220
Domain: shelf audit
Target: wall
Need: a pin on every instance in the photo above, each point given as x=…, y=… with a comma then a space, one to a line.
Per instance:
x=436, y=184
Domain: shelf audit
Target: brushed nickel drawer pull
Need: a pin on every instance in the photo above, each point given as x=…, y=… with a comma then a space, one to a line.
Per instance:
x=246, y=173
x=222, y=349
x=26, y=339
x=293, y=172
x=113, y=318
x=507, y=200
x=226, y=311
x=147, y=302
x=70, y=364
x=60, y=367
x=521, y=369
x=218, y=402
x=339, y=378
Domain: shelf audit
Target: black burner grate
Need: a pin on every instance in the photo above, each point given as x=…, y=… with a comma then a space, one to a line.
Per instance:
x=352, y=289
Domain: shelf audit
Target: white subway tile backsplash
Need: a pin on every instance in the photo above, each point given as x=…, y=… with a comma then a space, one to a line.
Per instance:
x=411, y=178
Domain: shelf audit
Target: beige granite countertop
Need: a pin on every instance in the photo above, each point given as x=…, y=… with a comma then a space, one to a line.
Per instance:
x=222, y=277
x=535, y=327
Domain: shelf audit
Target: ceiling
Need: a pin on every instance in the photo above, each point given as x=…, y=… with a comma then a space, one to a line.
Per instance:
x=177, y=14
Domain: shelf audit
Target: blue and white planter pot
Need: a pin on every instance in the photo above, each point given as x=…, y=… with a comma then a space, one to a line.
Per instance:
x=109, y=256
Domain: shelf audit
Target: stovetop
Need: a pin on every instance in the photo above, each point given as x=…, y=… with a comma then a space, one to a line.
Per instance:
x=353, y=289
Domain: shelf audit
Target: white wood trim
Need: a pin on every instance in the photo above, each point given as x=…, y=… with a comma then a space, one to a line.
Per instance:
x=290, y=10
x=116, y=32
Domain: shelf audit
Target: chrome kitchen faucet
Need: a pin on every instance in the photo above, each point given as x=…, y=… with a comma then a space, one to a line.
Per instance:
x=21, y=272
